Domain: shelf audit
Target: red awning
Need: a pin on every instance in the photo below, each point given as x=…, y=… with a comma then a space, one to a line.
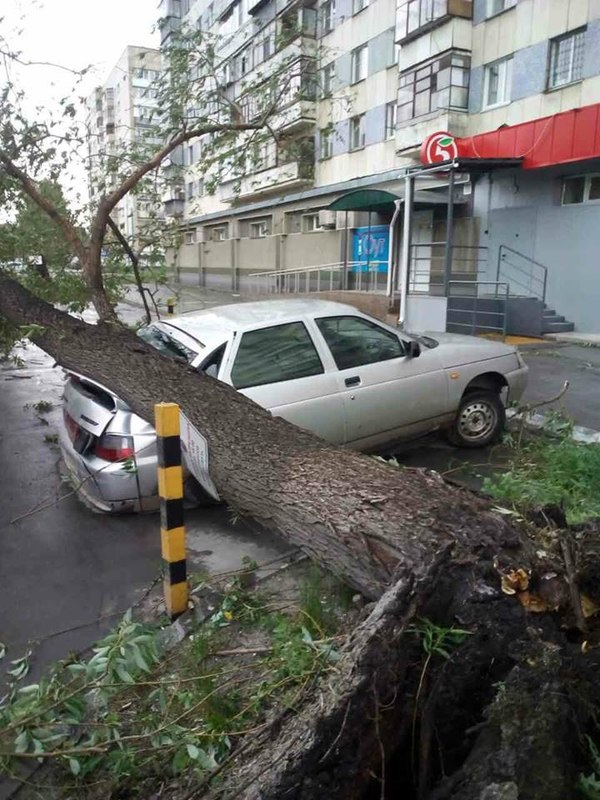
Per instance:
x=559, y=139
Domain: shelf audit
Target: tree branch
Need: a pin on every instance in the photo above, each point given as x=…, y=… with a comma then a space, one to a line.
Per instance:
x=46, y=205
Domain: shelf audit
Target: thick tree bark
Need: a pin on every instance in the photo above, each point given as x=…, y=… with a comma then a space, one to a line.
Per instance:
x=369, y=523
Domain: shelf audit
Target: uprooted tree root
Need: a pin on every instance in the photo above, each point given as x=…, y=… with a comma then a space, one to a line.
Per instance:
x=499, y=714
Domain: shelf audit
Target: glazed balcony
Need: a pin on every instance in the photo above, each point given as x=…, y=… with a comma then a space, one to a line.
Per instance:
x=416, y=17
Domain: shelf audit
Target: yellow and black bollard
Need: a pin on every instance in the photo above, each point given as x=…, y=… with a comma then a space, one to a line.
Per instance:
x=170, y=489
x=171, y=305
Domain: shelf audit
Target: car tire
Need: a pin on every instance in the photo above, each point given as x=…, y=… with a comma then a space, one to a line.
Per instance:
x=479, y=421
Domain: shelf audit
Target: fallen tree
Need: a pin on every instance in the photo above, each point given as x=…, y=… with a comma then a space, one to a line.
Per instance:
x=501, y=719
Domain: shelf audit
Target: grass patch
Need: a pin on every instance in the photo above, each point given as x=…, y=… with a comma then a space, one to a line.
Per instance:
x=552, y=472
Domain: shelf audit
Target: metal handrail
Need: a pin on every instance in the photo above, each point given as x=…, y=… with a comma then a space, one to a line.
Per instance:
x=503, y=250
x=476, y=312
x=301, y=279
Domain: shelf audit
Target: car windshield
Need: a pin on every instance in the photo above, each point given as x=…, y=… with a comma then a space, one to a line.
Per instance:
x=165, y=344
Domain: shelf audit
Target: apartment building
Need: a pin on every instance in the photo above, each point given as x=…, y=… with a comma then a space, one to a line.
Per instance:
x=449, y=141
x=119, y=113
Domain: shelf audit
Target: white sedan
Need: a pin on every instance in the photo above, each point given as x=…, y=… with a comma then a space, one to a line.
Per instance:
x=324, y=366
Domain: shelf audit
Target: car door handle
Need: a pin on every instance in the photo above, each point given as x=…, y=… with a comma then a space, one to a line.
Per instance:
x=354, y=381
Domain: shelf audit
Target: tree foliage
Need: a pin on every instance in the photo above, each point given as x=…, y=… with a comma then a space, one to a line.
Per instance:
x=195, y=101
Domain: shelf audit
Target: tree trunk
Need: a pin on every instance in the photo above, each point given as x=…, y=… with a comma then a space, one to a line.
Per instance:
x=369, y=523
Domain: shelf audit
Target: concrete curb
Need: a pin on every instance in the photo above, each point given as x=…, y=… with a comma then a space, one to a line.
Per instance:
x=538, y=422
x=591, y=340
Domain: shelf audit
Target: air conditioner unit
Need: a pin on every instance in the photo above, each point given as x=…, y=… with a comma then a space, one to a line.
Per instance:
x=326, y=219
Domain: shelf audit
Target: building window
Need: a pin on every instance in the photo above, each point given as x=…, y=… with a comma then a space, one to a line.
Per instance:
x=264, y=155
x=439, y=84
x=189, y=190
x=358, y=5
x=566, y=59
x=419, y=13
x=310, y=222
x=325, y=144
x=497, y=83
x=391, y=113
x=360, y=58
x=580, y=189
x=190, y=237
x=215, y=233
x=498, y=6
x=327, y=16
x=259, y=228
x=327, y=79
x=357, y=132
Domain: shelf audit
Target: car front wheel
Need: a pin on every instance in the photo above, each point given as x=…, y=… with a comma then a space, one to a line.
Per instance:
x=479, y=421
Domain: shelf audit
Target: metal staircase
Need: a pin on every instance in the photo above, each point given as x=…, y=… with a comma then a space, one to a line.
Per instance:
x=527, y=282
x=513, y=303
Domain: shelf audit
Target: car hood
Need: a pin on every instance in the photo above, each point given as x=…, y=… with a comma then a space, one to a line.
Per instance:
x=454, y=349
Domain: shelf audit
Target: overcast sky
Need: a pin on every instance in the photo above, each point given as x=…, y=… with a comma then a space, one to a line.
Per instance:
x=74, y=34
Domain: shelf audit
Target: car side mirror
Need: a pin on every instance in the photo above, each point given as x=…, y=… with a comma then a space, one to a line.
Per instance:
x=413, y=349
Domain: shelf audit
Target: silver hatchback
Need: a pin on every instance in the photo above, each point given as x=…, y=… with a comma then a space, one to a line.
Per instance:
x=326, y=367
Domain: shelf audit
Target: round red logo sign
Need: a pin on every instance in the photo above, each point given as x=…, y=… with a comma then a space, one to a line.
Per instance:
x=439, y=147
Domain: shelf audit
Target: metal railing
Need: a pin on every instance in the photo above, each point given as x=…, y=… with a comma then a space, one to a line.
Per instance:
x=466, y=259
x=530, y=278
x=352, y=276
x=478, y=311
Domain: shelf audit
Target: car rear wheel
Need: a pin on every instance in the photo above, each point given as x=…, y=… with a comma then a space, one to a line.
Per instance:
x=479, y=421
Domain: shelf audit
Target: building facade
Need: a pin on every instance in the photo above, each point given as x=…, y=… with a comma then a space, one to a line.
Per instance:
x=392, y=73
x=119, y=113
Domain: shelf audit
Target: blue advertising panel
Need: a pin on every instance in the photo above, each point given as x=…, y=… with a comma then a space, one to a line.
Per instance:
x=370, y=248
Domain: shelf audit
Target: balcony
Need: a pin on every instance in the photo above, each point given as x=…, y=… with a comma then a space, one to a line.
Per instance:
x=410, y=137
x=295, y=117
x=293, y=175
x=416, y=17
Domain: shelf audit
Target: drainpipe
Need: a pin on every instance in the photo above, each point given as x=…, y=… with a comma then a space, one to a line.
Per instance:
x=392, y=247
x=409, y=183
x=448, y=253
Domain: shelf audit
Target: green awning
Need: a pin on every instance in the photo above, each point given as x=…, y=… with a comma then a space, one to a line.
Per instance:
x=365, y=200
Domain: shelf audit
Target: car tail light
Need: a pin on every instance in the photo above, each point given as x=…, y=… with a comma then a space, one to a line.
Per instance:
x=114, y=448
x=71, y=426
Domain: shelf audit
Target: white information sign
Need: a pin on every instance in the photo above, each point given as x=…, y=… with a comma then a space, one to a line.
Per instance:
x=194, y=449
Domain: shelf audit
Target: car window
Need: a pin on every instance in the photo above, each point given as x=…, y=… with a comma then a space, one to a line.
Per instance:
x=165, y=344
x=212, y=364
x=354, y=341
x=271, y=355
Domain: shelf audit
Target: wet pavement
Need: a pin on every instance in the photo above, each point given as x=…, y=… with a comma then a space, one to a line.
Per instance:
x=551, y=365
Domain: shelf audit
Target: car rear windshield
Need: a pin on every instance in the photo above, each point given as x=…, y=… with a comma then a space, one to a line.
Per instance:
x=165, y=344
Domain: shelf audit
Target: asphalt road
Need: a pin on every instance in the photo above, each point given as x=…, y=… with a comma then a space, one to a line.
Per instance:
x=551, y=365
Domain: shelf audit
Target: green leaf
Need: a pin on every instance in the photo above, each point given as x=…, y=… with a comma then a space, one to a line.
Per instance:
x=74, y=766
x=20, y=670
x=123, y=674
x=193, y=751
x=22, y=742
x=446, y=141
x=2, y=650
x=207, y=760
x=139, y=659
